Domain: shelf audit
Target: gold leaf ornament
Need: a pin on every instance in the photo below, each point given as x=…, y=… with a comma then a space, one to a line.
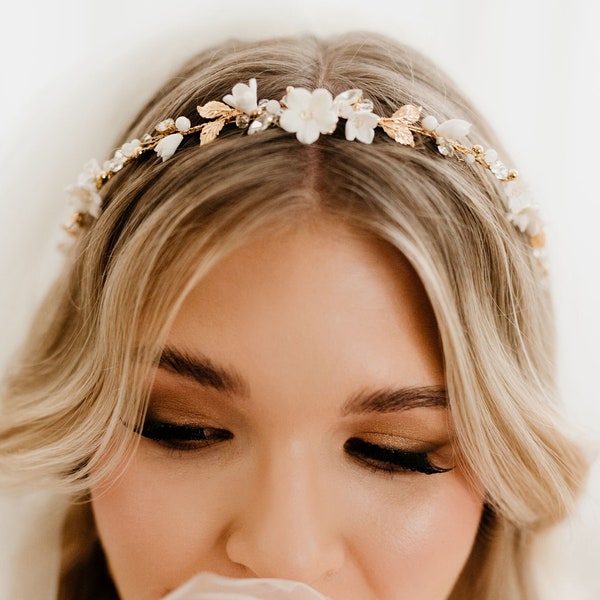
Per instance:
x=398, y=132
x=407, y=114
x=215, y=109
x=211, y=131
x=397, y=126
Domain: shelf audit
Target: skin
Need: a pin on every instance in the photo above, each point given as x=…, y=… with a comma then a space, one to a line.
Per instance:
x=309, y=320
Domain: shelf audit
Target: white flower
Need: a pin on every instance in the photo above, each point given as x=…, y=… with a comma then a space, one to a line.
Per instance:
x=517, y=196
x=167, y=146
x=308, y=114
x=522, y=212
x=453, y=129
x=527, y=221
x=85, y=199
x=208, y=586
x=83, y=195
x=361, y=126
x=243, y=97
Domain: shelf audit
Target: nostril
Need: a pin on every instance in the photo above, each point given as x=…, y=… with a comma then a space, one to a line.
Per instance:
x=306, y=559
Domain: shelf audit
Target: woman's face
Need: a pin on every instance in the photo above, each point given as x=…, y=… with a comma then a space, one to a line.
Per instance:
x=297, y=429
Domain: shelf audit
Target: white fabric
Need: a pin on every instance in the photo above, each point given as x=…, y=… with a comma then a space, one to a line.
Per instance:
x=71, y=72
x=208, y=586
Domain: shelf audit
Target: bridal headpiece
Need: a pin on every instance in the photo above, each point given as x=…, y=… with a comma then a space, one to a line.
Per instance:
x=308, y=115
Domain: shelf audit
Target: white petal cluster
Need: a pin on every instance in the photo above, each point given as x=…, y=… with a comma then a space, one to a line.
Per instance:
x=452, y=129
x=83, y=195
x=361, y=126
x=243, y=97
x=522, y=212
x=308, y=114
x=168, y=145
x=208, y=586
x=360, y=119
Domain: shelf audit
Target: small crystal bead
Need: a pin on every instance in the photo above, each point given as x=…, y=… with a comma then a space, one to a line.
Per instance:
x=491, y=155
x=273, y=107
x=129, y=148
x=260, y=123
x=351, y=96
x=262, y=104
x=499, y=169
x=444, y=147
x=242, y=121
x=365, y=106
x=114, y=164
x=165, y=125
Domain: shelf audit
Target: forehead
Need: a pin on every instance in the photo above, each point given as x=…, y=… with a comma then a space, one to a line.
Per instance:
x=322, y=302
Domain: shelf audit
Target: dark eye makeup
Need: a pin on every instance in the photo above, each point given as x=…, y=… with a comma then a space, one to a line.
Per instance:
x=183, y=437
x=378, y=458
x=390, y=460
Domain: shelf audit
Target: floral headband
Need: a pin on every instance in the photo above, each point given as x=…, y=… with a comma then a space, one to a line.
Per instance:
x=308, y=115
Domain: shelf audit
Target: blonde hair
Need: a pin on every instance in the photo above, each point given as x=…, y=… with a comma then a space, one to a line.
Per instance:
x=82, y=370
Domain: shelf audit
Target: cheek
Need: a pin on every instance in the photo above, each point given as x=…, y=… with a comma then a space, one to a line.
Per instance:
x=418, y=541
x=154, y=529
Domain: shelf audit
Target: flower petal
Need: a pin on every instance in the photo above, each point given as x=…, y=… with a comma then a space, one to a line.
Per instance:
x=326, y=121
x=298, y=99
x=309, y=133
x=453, y=129
x=365, y=135
x=350, y=131
x=321, y=100
x=167, y=146
x=243, y=97
x=291, y=121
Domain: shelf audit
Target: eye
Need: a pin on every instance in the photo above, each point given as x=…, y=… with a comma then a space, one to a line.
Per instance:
x=183, y=437
x=390, y=460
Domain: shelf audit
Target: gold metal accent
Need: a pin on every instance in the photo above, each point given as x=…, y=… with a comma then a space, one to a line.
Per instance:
x=398, y=126
x=538, y=240
x=211, y=130
x=215, y=109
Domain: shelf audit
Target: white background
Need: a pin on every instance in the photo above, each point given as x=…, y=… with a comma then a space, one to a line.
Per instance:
x=73, y=72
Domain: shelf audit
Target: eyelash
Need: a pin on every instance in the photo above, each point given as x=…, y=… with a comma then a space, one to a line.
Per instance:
x=184, y=438
x=390, y=460
x=188, y=438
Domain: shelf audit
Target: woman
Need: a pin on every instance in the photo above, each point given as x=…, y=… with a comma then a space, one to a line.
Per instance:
x=318, y=350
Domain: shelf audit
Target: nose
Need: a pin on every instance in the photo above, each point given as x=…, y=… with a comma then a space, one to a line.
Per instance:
x=286, y=526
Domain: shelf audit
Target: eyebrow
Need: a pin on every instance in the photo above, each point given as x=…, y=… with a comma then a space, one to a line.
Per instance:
x=207, y=373
x=203, y=371
x=394, y=400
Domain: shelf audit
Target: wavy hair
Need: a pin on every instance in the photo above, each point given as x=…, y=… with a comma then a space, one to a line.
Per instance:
x=99, y=332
